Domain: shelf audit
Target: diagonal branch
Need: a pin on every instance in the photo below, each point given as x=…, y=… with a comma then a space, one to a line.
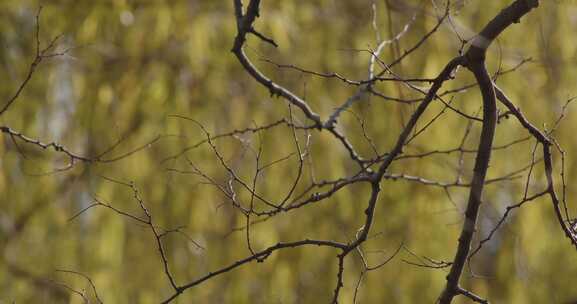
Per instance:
x=244, y=26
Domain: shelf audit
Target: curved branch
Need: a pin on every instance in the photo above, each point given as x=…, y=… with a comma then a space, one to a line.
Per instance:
x=475, y=57
x=258, y=257
x=480, y=172
x=244, y=25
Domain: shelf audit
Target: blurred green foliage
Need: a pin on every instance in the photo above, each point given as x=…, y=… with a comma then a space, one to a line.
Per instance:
x=133, y=64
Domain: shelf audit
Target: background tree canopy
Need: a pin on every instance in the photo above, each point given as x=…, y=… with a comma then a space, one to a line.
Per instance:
x=133, y=80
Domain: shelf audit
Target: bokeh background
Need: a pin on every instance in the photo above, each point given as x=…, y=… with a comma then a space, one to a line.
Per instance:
x=133, y=64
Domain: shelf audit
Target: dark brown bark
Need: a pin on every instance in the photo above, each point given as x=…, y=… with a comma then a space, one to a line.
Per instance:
x=475, y=62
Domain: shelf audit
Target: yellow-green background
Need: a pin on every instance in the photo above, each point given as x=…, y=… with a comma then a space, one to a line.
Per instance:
x=135, y=63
